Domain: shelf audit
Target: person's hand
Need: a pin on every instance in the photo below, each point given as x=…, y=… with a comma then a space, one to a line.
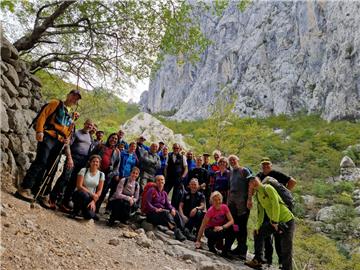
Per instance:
x=69, y=163
x=218, y=228
x=158, y=210
x=131, y=201
x=197, y=244
x=76, y=116
x=255, y=232
x=173, y=212
x=249, y=204
x=95, y=197
x=39, y=136
x=193, y=212
x=275, y=226
x=66, y=140
x=92, y=206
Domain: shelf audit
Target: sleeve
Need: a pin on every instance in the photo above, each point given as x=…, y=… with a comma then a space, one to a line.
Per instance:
x=47, y=111
x=248, y=174
x=282, y=178
x=226, y=209
x=260, y=217
x=102, y=176
x=202, y=198
x=209, y=213
x=115, y=169
x=82, y=172
x=184, y=161
x=167, y=202
x=119, y=190
x=275, y=205
x=148, y=201
x=158, y=163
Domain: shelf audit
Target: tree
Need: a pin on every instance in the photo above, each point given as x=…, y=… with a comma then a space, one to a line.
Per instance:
x=105, y=38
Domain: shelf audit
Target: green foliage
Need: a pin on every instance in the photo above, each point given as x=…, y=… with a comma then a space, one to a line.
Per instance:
x=7, y=5
x=344, y=198
x=103, y=107
x=243, y=4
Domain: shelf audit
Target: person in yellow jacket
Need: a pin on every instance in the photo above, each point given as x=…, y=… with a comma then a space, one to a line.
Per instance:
x=281, y=221
x=53, y=129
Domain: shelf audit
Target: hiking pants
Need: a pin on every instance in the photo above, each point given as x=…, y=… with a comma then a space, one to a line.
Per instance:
x=269, y=247
x=178, y=191
x=66, y=184
x=241, y=233
x=46, y=154
x=121, y=210
x=195, y=221
x=285, y=238
x=214, y=237
x=81, y=201
x=164, y=218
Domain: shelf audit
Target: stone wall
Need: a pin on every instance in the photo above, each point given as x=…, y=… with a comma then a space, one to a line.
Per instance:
x=20, y=102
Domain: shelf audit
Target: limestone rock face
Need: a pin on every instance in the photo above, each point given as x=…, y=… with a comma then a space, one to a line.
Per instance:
x=152, y=129
x=347, y=162
x=275, y=57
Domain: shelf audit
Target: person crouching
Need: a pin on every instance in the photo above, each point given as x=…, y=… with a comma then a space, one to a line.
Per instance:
x=124, y=201
x=159, y=211
x=89, y=185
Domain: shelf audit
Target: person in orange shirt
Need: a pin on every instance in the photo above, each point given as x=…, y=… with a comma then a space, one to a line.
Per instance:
x=53, y=129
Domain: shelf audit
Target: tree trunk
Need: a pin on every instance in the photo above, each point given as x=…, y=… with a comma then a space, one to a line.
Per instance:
x=28, y=41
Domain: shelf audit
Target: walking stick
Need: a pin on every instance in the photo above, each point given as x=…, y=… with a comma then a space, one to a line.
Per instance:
x=47, y=178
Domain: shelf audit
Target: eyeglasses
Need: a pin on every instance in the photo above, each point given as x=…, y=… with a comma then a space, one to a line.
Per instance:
x=175, y=148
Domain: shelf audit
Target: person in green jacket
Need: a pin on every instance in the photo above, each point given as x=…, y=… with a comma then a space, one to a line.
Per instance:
x=281, y=221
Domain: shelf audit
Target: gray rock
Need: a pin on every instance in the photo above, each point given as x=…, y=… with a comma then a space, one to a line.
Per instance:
x=35, y=80
x=326, y=214
x=8, y=50
x=16, y=105
x=24, y=102
x=187, y=254
x=3, y=67
x=23, y=92
x=144, y=241
x=6, y=99
x=23, y=160
x=151, y=235
x=147, y=226
x=275, y=57
x=14, y=143
x=169, y=252
x=12, y=75
x=209, y=265
x=114, y=241
x=4, y=118
x=9, y=87
x=140, y=231
x=4, y=142
x=17, y=121
x=357, y=210
x=309, y=201
x=347, y=162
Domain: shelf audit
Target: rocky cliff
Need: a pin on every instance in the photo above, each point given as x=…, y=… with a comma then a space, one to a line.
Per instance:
x=20, y=100
x=276, y=57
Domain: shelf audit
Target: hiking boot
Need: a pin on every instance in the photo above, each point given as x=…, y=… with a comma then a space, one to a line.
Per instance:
x=254, y=263
x=63, y=208
x=47, y=203
x=24, y=194
x=162, y=228
x=179, y=235
x=189, y=235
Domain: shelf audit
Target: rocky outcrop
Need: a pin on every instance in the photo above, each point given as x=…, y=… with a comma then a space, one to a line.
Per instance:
x=143, y=124
x=276, y=57
x=20, y=100
x=348, y=170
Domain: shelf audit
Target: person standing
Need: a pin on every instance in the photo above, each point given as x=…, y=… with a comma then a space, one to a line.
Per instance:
x=53, y=129
x=240, y=203
x=290, y=183
x=149, y=163
x=281, y=222
x=175, y=173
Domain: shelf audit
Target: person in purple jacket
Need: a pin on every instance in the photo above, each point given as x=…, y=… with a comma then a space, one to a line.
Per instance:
x=159, y=211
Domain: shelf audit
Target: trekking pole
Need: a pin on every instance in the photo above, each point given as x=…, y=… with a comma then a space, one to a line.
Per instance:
x=47, y=178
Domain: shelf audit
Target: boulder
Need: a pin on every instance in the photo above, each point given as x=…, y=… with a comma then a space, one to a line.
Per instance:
x=114, y=241
x=143, y=241
x=147, y=226
x=24, y=102
x=23, y=91
x=309, y=201
x=4, y=118
x=347, y=162
x=16, y=104
x=209, y=265
x=8, y=50
x=326, y=214
x=4, y=141
x=17, y=121
x=357, y=210
x=9, y=87
x=6, y=99
x=23, y=160
x=12, y=75
x=15, y=143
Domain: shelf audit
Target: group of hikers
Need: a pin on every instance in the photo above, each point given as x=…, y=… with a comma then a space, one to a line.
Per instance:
x=206, y=198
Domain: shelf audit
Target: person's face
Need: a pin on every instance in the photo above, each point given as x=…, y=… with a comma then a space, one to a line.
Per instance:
x=165, y=151
x=99, y=136
x=113, y=140
x=72, y=99
x=160, y=182
x=222, y=165
x=88, y=126
x=121, y=147
x=134, y=174
x=216, y=157
x=216, y=201
x=189, y=155
x=153, y=148
x=194, y=186
x=206, y=159
x=199, y=162
x=95, y=163
x=121, y=134
x=176, y=149
x=132, y=148
x=266, y=167
x=233, y=162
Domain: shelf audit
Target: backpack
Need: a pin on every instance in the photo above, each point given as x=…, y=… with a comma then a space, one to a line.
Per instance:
x=33, y=123
x=283, y=192
x=144, y=194
x=127, y=180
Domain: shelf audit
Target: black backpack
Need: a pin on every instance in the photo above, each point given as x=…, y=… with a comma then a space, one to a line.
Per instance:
x=283, y=192
x=33, y=123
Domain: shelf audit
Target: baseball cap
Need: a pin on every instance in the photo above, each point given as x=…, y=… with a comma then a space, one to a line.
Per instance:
x=75, y=92
x=265, y=160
